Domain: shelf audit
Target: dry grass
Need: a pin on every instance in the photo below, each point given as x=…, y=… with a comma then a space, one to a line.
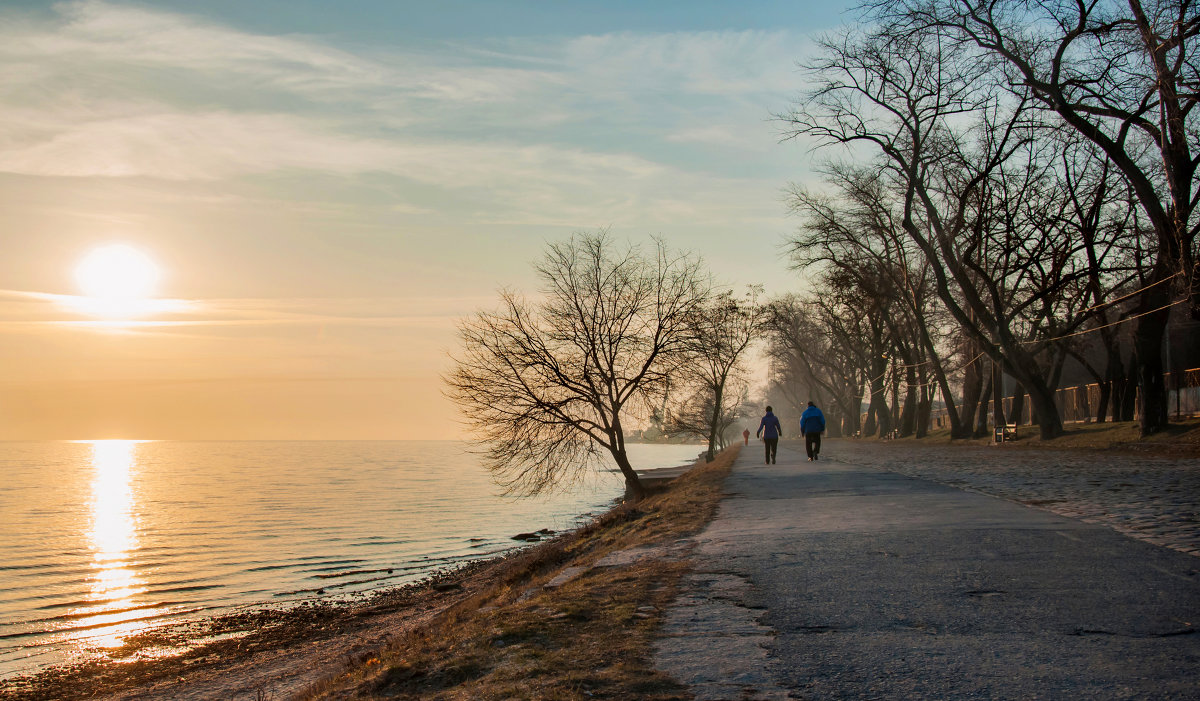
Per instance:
x=588, y=639
x=1182, y=437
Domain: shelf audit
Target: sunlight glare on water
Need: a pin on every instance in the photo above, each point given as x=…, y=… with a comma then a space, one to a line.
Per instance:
x=113, y=538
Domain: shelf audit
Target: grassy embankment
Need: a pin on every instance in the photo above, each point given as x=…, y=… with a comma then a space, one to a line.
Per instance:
x=1181, y=438
x=588, y=638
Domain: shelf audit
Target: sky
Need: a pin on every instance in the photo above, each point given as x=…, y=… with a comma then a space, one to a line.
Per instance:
x=324, y=189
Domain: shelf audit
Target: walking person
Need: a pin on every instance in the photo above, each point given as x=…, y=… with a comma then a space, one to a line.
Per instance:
x=812, y=424
x=746, y=435
x=770, y=430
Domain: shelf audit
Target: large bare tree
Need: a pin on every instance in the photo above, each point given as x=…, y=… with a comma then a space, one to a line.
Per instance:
x=945, y=138
x=549, y=385
x=855, y=227
x=1124, y=74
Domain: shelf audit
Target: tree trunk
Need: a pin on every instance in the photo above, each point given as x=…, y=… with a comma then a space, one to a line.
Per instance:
x=1108, y=386
x=981, y=422
x=1049, y=422
x=972, y=386
x=1041, y=394
x=1105, y=395
x=1129, y=389
x=1152, y=391
x=850, y=413
x=634, y=491
x=999, y=420
x=939, y=374
x=878, y=416
x=908, y=418
x=895, y=415
x=924, y=408
x=833, y=423
x=712, y=425
x=1018, y=404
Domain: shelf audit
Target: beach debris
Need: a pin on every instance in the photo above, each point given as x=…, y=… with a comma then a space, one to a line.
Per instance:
x=446, y=586
x=534, y=536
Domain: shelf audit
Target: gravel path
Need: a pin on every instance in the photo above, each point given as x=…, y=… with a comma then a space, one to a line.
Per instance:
x=1153, y=499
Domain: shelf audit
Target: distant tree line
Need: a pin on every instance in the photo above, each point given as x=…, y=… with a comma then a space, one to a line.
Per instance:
x=1017, y=185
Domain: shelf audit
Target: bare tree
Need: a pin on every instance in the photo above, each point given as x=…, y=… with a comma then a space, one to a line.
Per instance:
x=722, y=331
x=1126, y=76
x=1101, y=212
x=698, y=415
x=548, y=385
x=814, y=356
x=960, y=153
x=857, y=228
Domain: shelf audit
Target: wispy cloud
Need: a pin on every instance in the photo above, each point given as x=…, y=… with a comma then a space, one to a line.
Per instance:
x=537, y=131
x=98, y=36
x=724, y=64
x=28, y=308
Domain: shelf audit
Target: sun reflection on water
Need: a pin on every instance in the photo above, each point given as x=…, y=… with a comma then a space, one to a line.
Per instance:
x=113, y=538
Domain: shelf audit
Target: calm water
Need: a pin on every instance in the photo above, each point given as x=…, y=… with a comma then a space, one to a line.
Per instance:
x=106, y=539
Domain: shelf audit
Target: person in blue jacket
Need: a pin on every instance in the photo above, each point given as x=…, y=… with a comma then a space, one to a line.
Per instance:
x=812, y=423
x=770, y=431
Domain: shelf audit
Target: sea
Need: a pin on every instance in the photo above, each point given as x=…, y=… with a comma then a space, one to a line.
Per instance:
x=102, y=540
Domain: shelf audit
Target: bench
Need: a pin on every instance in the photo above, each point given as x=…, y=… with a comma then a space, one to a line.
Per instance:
x=1005, y=433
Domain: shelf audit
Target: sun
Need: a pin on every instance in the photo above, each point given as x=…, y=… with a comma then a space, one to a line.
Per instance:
x=117, y=273
x=118, y=283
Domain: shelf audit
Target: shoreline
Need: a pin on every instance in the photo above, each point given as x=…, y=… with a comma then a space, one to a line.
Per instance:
x=297, y=644
x=259, y=635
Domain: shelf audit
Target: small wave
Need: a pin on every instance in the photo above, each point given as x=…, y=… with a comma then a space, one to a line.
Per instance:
x=331, y=564
x=99, y=612
x=268, y=568
x=46, y=631
x=192, y=587
x=351, y=573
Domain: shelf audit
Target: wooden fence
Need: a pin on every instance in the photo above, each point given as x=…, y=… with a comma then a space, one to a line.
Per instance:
x=1079, y=404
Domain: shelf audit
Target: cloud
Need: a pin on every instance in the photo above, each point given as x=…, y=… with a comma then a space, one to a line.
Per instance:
x=723, y=64
x=563, y=132
x=28, y=308
x=93, y=34
x=106, y=41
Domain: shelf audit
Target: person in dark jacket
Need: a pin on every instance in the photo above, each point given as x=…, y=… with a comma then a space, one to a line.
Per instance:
x=812, y=424
x=770, y=430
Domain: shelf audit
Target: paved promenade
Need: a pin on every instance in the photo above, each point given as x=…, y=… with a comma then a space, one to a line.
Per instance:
x=846, y=579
